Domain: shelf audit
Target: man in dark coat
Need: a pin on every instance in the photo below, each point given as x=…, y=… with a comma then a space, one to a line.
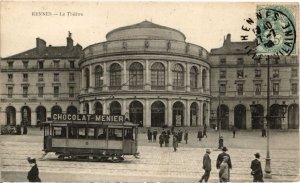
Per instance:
x=256, y=169
x=206, y=166
x=199, y=136
x=220, y=158
x=161, y=139
x=186, y=136
x=154, y=135
x=204, y=130
x=33, y=174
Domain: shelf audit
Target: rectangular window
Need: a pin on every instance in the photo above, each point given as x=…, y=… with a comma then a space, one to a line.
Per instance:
x=25, y=77
x=257, y=89
x=257, y=73
x=240, y=74
x=275, y=88
x=56, y=76
x=25, y=64
x=71, y=77
x=222, y=74
x=9, y=92
x=72, y=65
x=240, y=89
x=275, y=73
x=294, y=88
x=276, y=60
x=25, y=91
x=222, y=89
x=41, y=65
x=294, y=72
x=71, y=92
x=10, y=65
x=56, y=63
x=40, y=77
x=240, y=61
x=41, y=91
x=10, y=77
x=56, y=91
x=223, y=61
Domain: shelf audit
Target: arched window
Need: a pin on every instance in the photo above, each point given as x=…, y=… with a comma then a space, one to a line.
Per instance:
x=115, y=76
x=178, y=76
x=115, y=108
x=98, y=108
x=87, y=77
x=86, y=108
x=71, y=110
x=157, y=76
x=98, y=77
x=10, y=115
x=136, y=76
x=193, y=77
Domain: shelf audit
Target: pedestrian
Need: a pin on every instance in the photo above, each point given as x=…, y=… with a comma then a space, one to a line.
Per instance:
x=161, y=139
x=180, y=134
x=224, y=173
x=167, y=140
x=154, y=135
x=256, y=170
x=172, y=129
x=206, y=166
x=149, y=134
x=33, y=174
x=204, y=130
x=263, y=132
x=175, y=142
x=220, y=159
x=233, y=131
x=186, y=136
x=221, y=140
x=199, y=136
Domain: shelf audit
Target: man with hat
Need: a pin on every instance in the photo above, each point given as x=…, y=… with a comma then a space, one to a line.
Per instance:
x=206, y=166
x=221, y=157
x=256, y=169
x=33, y=174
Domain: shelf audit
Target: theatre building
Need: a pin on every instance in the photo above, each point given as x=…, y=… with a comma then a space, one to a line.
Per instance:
x=238, y=81
x=38, y=82
x=148, y=72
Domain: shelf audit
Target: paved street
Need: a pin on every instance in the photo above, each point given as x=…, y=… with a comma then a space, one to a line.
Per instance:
x=155, y=163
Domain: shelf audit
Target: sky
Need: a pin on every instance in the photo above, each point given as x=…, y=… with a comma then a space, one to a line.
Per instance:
x=204, y=24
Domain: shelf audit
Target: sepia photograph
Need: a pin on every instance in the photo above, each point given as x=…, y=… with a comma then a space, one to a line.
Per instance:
x=149, y=91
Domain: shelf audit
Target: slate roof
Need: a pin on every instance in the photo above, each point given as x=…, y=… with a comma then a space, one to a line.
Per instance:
x=50, y=52
x=234, y=48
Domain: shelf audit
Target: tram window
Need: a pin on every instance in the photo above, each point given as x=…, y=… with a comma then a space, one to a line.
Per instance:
x=91, y=133
x=101, y=133
x=72, y=132
x=81, y=133
x=115, y=134
x=56, y=131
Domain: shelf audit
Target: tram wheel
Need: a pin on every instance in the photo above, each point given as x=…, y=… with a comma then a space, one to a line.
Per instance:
x=117, y=159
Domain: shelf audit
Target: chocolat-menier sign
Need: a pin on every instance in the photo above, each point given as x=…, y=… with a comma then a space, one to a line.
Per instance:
x=87, y=117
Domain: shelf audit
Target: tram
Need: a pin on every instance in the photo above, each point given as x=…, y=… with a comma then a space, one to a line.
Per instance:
x=97, y=140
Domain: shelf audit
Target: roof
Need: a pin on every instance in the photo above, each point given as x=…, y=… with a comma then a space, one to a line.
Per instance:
x=49, y=52
x=144, y=24
x=234, y=48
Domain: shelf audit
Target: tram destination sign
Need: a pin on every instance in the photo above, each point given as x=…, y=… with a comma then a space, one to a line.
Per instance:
x=87, y=117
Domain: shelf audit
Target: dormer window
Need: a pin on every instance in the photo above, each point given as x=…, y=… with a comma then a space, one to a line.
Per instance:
x=56, y=63
x=25, y=64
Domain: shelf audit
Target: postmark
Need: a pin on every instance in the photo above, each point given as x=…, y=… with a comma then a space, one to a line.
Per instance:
x=275, y=31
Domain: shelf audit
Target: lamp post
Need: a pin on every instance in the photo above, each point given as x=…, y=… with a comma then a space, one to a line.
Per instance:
x=283, y=109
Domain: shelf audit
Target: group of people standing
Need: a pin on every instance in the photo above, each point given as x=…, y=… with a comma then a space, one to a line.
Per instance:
x=223, y=164
x=202, y=132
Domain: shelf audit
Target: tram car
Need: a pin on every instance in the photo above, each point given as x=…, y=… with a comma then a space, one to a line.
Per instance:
x=102, y=141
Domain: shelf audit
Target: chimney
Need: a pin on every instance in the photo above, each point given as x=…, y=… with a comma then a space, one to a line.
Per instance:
x=228, y=38
x=69, y=40
x=40, y=44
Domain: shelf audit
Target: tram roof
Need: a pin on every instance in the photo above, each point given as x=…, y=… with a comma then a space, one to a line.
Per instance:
x=92, y=123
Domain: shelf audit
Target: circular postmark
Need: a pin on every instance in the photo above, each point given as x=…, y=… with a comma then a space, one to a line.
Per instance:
x=275, y=32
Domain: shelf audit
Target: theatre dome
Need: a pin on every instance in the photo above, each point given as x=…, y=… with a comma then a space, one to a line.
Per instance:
x=145, y=30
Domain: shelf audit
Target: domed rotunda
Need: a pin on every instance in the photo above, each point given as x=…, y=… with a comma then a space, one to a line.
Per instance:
x=148, y=72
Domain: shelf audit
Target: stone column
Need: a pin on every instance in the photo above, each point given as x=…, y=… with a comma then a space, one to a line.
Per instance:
x=248, y=119
x=124, y=107
x=200, y=114
x=200, y=80
x=187, y=113
x=147, y=119
x=284, y=122
x=104, y=106
x=208, y=80
x=81, y=107
x=91, y=107
x=105, y=77
x=147, y=73
x=169, y=113
x=187, y=78
x=92, y=79
x=169, y=77
x=3, y=117
x=82, y=79
x=18, y=117
x=208, y=114
x=126, y=81
x=33, y=118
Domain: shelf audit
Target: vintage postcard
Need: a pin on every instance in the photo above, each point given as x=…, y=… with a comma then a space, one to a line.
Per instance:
x=146, y=91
